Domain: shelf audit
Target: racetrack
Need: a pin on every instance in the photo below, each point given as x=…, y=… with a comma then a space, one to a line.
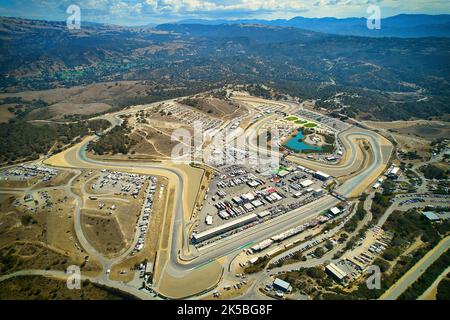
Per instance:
x=177, y=268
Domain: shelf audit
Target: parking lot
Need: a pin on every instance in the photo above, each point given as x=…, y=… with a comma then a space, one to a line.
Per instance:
x=268, y=108
x=26, y=172
x=332, y=123
x=119, y=183
x=239, y=191
x=144, y=219
x=356, y=262
x=189, y=116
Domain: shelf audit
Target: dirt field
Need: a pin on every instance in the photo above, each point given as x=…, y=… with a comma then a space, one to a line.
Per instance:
x=229, y=294
x=57, y=111
x=36, y=256
x=10, y=183
x=204, y=277
x=217, y=108
x=419, y=128
x=62, y=178
x=110, y=227
x=107, y=92
x=46, y=235
x=411, y=144
x=154, y=142
x=104, y=233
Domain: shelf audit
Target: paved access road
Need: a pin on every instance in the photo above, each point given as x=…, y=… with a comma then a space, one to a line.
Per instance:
x=415, y=272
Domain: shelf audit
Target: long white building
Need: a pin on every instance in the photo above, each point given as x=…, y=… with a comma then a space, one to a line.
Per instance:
x=208, y=234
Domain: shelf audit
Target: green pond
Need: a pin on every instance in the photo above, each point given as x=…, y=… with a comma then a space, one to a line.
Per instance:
x=296, y=144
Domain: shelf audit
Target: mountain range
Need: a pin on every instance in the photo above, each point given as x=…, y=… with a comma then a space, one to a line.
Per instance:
x=384, y=77
x=404, y=25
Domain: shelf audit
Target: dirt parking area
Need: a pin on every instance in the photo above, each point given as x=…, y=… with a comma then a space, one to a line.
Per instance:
x=124, y=271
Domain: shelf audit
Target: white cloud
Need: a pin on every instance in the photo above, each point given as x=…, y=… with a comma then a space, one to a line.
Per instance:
x=141, y=11
x=176, y=6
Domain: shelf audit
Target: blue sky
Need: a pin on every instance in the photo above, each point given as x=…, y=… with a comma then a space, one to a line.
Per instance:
x=141, y=12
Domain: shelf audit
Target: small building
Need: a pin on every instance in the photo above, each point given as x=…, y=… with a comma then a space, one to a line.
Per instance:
x=317, y=192
x=262, y=245
x=336, y=273
x=298, y=195
x=250, y=196
x=335, y=211
x=274, y=252
x=257, y=203
x=237, y=200
x=277, y=196
x=281, y=285
x=249, y=207
x=253, y=260
x=321, y=176
x=209, y=220
x=431, y=216
x=263, y=214
x=394, y=172
x=306, y=183
x=283, y=173
x=253, y=183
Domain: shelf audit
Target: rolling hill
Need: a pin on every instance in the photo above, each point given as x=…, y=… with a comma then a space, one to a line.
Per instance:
x=387, y=78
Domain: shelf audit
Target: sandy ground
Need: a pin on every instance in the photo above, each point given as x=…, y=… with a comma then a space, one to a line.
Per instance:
x=206, y=277
x=414, y=135
x=12, y=184
x=411, y=144
x=99, y=92
x=405, y=124
x=218, y=108
x=51, y=241
x=59, y=110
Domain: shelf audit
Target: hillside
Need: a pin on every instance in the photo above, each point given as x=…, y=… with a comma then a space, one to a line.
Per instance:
x=389, y=78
